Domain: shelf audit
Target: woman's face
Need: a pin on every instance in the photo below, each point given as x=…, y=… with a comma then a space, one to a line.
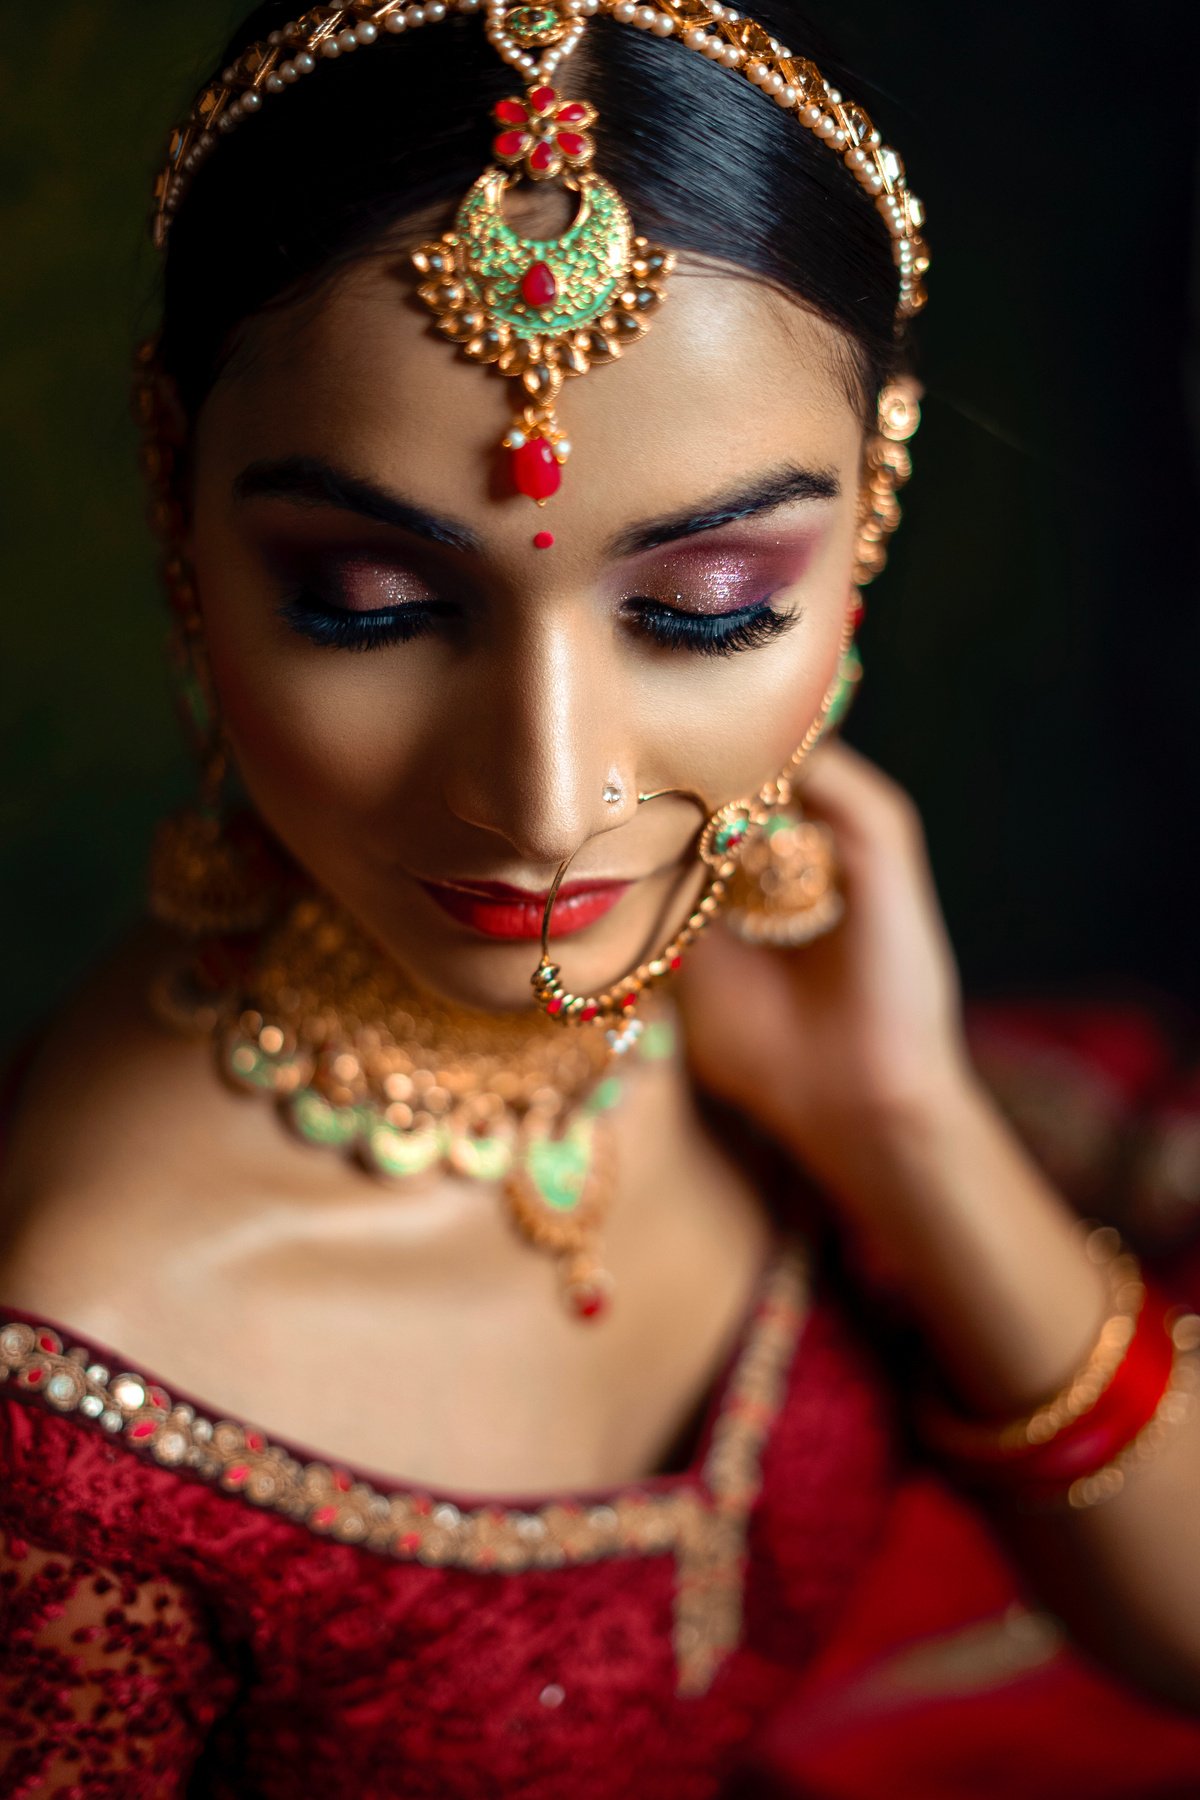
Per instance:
x=426, y=708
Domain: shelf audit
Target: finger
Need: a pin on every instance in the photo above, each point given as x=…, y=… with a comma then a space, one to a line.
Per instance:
x=855, y=796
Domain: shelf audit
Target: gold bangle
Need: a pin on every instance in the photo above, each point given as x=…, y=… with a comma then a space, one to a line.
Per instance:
x=949, y=1430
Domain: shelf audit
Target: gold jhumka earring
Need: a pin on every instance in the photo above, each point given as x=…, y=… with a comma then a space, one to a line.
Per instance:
x=307, y=1009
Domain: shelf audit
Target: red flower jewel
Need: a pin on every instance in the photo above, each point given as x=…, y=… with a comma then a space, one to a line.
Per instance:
x=543, y=131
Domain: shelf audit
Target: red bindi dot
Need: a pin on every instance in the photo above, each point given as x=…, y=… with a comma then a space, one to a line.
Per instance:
x=543, y=540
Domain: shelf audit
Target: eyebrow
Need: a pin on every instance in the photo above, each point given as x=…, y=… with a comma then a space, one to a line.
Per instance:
x=309, y=481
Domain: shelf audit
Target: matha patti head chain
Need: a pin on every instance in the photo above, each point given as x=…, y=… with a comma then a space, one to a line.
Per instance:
x=544, y=310
x=311, y=1011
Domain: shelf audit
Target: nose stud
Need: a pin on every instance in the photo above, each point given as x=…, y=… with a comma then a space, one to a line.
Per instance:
x=612, y=795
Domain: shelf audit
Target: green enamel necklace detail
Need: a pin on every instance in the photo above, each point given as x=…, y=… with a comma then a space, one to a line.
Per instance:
x=359, y=1061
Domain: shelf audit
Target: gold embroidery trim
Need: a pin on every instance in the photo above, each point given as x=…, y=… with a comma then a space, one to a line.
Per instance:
x=703, y=1526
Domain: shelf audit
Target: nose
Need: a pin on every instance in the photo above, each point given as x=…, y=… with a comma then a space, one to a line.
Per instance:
x=544, y=746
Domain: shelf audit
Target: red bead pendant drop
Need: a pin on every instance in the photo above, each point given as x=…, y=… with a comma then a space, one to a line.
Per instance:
x=538, y=286
x=542, y=540
x=535, y=469
x=589, y=1302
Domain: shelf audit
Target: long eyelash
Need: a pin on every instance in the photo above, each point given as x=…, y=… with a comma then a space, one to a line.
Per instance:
x=337, y=628
x=713, y=634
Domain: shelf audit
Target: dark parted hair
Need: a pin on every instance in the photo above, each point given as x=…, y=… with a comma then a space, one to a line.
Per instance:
x=331, y=169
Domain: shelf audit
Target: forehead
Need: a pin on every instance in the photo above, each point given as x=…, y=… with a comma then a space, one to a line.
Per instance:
x=729, y=379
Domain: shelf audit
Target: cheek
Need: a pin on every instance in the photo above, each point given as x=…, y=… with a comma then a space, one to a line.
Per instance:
x=733, y=724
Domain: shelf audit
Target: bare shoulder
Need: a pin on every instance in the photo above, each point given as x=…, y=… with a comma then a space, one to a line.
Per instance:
x=114, y=1116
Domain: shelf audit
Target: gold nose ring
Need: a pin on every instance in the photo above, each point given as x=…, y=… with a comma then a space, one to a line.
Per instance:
x=613, y=1007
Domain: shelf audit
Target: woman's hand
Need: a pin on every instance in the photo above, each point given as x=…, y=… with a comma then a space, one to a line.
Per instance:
x=861, y=1027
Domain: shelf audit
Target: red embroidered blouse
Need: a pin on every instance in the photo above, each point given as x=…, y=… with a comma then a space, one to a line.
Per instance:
x=191, y=1606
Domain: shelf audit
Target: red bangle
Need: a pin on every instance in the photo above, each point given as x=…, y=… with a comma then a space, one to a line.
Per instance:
x=1128, y=1403
x=1086, y=1444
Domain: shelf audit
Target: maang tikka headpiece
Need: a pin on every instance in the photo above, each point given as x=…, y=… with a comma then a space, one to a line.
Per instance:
x=541, y=310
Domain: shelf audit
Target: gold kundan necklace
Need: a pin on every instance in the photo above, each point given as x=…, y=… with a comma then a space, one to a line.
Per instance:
x=316, y=1015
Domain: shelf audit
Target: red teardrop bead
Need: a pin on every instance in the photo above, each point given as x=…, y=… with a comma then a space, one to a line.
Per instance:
x=510, y=112
x=538, y=286
x=573, y=113
x=543, y=98
x=572, y=143
x=510, y=143
x=590, y=1303
x=542, y=154
x=535, y=469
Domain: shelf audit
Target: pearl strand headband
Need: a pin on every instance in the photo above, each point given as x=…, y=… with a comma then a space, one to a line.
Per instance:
x=542, y=310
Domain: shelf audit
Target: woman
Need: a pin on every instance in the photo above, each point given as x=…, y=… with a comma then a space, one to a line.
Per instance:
x=318, y=1477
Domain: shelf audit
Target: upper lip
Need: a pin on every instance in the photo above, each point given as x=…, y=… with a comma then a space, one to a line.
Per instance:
x=503, y=891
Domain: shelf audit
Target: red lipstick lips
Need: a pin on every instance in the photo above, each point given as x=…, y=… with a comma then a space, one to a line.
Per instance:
x=496, y=910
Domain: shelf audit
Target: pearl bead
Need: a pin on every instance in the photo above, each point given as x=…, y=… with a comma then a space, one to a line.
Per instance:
x=251, y=102
x=755, y=72
x=694, y=39
x=734, y=56
x=395, y=23
x=331, y=48
x=515, y=439
x=786, y=96
x=304, y=64
x=416, y=15
x=663, y=25
x=624, y=11
x=366, y=33
x=348, y=40
x=644, y=16
x=435, y=12
x=773, y=82
x=275, y=83
x=562, y=449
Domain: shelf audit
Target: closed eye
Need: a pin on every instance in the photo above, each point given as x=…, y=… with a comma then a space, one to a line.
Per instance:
x=711, y=634
x=335, y=627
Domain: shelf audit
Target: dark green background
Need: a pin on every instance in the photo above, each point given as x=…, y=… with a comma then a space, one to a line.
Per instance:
x=1032, y=653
